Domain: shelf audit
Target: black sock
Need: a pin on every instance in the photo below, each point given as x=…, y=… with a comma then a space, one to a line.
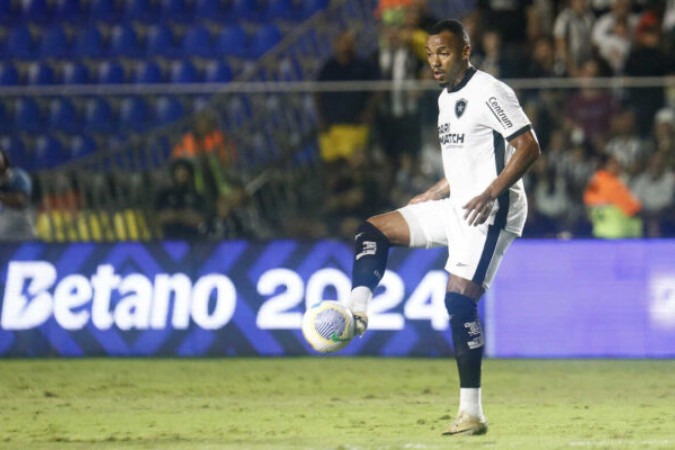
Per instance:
x=370, y=256
x=467, y=336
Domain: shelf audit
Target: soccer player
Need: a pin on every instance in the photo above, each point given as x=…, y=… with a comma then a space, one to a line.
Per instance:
x=476, y=210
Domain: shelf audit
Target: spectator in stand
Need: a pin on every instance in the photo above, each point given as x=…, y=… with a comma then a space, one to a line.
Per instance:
x=612, y=208
x=180, y=208
x=345, y=118
x=398, y=120
x=613, y=33
x=655, y=189
x=212, y=153
x=589, y=111
x=516, y=22
x=490, y=58
x=16, y=188
x=352, y=192
x=626, y=144
x=550, y=200
x=648, y=58
x=663, y=137
x=572, y=32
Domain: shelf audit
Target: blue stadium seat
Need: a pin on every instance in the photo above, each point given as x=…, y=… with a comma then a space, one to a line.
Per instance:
x=147, y=72
x=54, y=43
x=36, y=11
x=142, y=11
x=9, y=75
x=111, y=72
x=47, y=152
x=209, y=10
x=16, y=149
x=232, y=40
x=103, y=11
x=63, y=116
x=27, y=115
x=160, y=41
x=247, y=9
x=99, y=116
x=310, y=7
x=40, y=74
x=19, y=43
x=80, y=146
x=74, y=72
x=9, y=12
x=69, y=11
x=179, y=11
x=197, y=41
x=218, y=72
x=168, y=109
x=124, y=41
x=89, y=43
x=184, y=71
x=134, y=114
x=264, y=38
x=280, y=10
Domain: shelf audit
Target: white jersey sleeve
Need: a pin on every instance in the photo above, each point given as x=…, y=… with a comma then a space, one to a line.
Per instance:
x=503, y=112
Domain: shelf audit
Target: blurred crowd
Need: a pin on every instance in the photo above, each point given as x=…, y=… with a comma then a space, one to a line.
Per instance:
x=384, y=145
x=608, y=163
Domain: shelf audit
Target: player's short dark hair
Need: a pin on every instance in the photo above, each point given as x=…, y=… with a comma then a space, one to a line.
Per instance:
x=454, y=26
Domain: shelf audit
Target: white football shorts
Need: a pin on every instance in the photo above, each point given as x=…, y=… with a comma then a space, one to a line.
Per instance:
x=474, y=252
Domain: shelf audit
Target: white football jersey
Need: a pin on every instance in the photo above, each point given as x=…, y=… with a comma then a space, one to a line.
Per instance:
x=476, y=121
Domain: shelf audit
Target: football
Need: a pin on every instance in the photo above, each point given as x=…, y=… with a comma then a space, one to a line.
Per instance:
x=328, y=326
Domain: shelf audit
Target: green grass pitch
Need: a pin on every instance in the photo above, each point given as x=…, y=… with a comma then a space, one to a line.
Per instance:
x=331, y=403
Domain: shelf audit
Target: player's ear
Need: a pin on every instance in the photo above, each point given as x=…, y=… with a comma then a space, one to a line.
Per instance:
x=466, y=51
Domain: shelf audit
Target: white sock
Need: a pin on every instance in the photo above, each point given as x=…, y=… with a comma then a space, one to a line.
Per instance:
x=470, y=401
x=359, y=298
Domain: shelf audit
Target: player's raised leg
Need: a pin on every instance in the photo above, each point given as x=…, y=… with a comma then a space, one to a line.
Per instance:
x=373, y=240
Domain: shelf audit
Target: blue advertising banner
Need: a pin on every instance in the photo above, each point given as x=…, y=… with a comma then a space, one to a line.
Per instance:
x=201, y=299
x=550, y=299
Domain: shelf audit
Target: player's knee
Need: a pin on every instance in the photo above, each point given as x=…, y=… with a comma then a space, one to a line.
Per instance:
x=367, y=231
x=460, y=308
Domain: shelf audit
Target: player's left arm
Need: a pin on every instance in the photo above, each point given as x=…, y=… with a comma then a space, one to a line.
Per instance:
x=526, y=153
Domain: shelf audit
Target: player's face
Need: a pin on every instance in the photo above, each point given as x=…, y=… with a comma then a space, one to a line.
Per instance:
x=448, y=56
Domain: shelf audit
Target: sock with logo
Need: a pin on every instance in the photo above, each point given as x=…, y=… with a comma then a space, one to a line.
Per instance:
x=370, y=261
x=467, y=337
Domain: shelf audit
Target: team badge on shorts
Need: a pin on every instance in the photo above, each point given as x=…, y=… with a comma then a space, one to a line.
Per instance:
x=460, y=107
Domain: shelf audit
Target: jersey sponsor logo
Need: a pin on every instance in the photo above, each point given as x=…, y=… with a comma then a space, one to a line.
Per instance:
x=460, y=107
x=499, y=112
x=447, y=138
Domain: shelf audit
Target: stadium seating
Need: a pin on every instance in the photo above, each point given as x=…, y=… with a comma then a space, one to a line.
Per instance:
x=19, y=43
x=89, y=43
x=27, y=115
x=160, y=41
x=197, y=41
x=184, y=71
x=168, y=109
x=232, y=40
x=54, y=43
x=75, y=73
x=48, y=152
x=218, y=72
x=40, y=74
x=9, y=75
x=63, y=116
x=134, y=114
x=111, y=72
x=147, y=72
x=124, y=41
x=99, y=116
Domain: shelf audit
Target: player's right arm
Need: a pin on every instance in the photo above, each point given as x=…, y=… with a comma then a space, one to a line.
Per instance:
x=436, y=192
